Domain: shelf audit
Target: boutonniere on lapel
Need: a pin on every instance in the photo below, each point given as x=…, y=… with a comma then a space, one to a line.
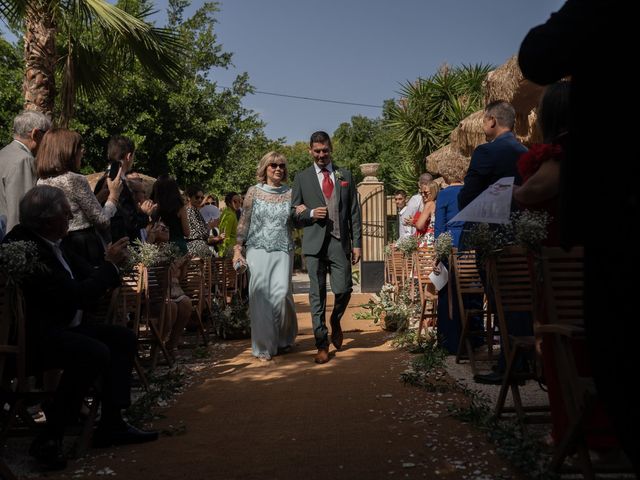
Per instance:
x=338, y=174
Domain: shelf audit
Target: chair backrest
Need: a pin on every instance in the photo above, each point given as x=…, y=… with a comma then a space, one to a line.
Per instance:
x=423, y=259
x=464, y=268
x=193, y=283
x=128, y=299
x=563, y=285
x=398, y=266
x=510, y=282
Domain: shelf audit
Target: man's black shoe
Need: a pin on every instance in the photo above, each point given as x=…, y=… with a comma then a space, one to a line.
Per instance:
x=493, y=378
x=128, y=434
x=48, y=453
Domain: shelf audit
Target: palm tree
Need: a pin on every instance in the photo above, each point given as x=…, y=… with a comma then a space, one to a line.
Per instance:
x=97, y=39
x=429, y=109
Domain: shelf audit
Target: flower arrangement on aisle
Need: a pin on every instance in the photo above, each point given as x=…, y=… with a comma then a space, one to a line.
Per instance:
x=393, y=310
x=231, y=321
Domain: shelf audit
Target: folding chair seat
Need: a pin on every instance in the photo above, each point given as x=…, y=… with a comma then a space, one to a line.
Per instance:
x=468, y=284
x=510, y=280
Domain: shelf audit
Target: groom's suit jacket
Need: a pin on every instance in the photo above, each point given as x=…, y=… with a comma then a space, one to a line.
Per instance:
x=307, y=191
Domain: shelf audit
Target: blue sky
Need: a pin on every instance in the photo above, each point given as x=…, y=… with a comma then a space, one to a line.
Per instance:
x=358, y=50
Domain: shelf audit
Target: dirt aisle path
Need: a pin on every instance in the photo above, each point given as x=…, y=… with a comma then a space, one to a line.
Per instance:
x=292, y=419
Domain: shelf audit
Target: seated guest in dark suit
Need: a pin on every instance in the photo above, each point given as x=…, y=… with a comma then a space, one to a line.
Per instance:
x=57, y=338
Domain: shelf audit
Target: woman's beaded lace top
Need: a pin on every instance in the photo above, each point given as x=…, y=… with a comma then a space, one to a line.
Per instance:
x=265, y=222
x=85, y=208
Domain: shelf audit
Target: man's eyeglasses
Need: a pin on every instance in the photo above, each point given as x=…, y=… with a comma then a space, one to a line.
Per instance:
x=282, y=166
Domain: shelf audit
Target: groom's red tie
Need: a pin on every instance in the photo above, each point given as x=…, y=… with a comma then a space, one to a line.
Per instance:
x=327, y=184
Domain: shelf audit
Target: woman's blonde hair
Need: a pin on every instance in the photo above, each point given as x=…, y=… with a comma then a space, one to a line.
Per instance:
x=434, y=188
x=271, y=157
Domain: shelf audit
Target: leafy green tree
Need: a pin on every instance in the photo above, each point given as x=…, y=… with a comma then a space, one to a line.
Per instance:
x=10, y=86
x=189, y=129
x=89, y=42
x=367, y=140
x=430, y=109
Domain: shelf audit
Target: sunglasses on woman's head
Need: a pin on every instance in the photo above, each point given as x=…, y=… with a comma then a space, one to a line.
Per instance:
x=282, y=166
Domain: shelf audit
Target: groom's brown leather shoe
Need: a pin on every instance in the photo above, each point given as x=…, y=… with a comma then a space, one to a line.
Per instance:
x=337, y=337
x=322, y=356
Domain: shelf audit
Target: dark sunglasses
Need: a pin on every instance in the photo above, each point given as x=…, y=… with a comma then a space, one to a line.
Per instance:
x=209, y=203
x=282, y=166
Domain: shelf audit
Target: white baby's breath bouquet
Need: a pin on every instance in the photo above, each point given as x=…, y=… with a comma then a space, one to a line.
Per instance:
x=443, y=245
x=407, y=245
x=201, y=250
x=18, y=260
x=530, y=228
x=151, y=254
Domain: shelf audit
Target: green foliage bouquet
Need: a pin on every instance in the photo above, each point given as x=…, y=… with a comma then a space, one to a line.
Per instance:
x=231, y=321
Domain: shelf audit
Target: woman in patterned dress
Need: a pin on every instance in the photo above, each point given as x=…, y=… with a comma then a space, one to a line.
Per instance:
x=198, y=229
x=57, y=165
x=265, y=230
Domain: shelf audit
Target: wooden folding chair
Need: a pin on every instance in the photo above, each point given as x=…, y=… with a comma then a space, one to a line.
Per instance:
x=563, y=297
x=465, y=274
x=398, y=266
x=155, y=284
x=510, y=279
x=193, y=285
x=423, y=260
x=126, y=311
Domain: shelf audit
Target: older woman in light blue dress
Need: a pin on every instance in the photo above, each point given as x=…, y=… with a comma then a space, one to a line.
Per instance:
x=265, y=230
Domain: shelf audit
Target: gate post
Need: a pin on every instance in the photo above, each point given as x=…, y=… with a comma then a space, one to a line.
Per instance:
x=374, y=229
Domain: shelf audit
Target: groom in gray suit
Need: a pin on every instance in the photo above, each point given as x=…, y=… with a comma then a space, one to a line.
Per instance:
x=17, y=162
x=332, y=239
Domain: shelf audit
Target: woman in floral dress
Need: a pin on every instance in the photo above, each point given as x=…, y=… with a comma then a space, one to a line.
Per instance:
x=265, y=230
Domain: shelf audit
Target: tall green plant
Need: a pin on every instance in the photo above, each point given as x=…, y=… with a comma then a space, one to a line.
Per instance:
x=429, y=109
x=60, y=43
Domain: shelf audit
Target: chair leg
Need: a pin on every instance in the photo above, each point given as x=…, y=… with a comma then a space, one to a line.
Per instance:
x=506, y=383
x=140, y=371
x=84, y=440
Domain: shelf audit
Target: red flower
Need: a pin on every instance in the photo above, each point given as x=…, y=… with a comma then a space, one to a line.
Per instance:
x=344, y=184
x=530, y=161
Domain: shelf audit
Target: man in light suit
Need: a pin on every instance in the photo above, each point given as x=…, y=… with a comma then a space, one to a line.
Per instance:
x=332, y=239
x=18, y=164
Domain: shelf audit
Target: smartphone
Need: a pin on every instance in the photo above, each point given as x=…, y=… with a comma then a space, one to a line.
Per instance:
x=114, y=168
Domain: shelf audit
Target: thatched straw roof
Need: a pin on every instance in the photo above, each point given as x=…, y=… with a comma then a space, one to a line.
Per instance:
x=448, y=162
x=147, y=181
x=468, y=134
x=507, y=83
